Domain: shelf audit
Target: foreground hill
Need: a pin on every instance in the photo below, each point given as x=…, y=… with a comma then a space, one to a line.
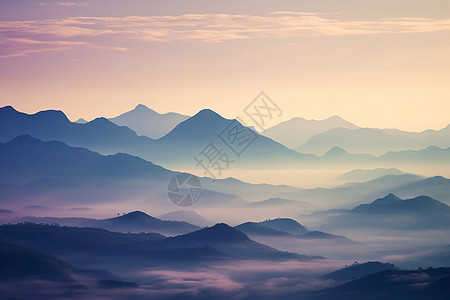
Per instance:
x=30, y=274
x=23, y=263
x=99, y=248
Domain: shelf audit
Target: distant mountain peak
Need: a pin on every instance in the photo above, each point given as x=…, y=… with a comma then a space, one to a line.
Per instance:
x=100, y=119
x=141, y=106
x=336, y=151
x=144, y=109
x=335, y=117
x=53, y=114
x=427, y=200
x=135, y=216
x=22, y=138
x=437, y=179
x=285, y=224
x=298, y=131
x=205, y=123
x=145, y=121
x=81, y=121
x=103, y=122
x=208, y=114
x=360, y=270
x=390, y=198
x=220, y=232
x=432, y=148
x=8, y=108
x=391, y=204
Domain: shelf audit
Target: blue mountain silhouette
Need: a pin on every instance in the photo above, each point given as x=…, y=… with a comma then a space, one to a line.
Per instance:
x=180, y=145
x=29, y=158
x=37, y=172
x=135, y=222
x=356, y=270
x=145, y=121
x=231, y=241
x=375, y=141
x=284, y=227
x=217, y=242
x=391, y=204
x=392, y=213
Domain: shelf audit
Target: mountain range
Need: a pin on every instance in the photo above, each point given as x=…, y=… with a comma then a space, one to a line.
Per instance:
x=179, y=147
x=297, y=131
x=361, y=175
x=33, y=170
x=219, y=242
x=375, y=141
x=134, y=222
x=357, y=270
x=393, y=205
x=391, y=213
x=187, y=143
x=228, y=240
x=284, y=228
x=351, y=193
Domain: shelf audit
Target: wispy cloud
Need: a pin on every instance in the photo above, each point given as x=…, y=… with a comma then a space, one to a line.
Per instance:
x=63, y=3
x=209, y=28
x=12, y=47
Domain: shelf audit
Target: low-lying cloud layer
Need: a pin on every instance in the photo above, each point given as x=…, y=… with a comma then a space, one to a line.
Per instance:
x=241, y=279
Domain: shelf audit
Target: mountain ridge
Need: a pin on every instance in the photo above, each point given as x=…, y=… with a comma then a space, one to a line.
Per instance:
x=295, y=132
x=147, y=122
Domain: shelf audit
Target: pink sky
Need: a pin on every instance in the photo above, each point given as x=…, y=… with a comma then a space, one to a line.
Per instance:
x=377, y=64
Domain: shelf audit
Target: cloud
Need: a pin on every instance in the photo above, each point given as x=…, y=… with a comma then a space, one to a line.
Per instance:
x=198, y=279
x=208, y=28
x=240, y=278
x=62, y=3
x=301, y=13
x=22, y=47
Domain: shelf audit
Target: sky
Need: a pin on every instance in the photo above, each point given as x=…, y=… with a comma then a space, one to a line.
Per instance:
x=376, y=63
